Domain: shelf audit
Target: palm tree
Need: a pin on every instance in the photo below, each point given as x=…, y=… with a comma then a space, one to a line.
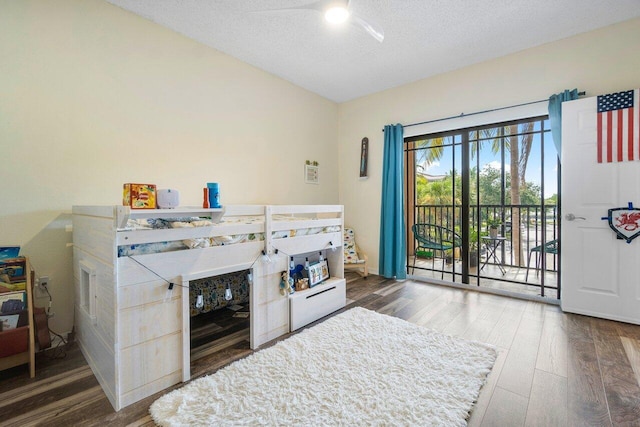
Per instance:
x=429, y=151
x=518, y=145
x=519, y=150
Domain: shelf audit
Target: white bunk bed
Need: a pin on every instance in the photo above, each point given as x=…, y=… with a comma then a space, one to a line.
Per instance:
x=134, y=330
x=301, y=222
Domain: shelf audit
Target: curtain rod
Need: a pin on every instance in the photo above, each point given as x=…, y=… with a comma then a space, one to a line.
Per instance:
x=479, y=112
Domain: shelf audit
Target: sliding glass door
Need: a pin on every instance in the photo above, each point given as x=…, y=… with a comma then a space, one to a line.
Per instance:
x=494, y=192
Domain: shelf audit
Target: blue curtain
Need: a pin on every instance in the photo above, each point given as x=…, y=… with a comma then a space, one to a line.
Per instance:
x=393, y=253
x=555, y=115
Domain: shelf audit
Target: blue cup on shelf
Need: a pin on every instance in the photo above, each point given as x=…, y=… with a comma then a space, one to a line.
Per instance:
x=214, y=194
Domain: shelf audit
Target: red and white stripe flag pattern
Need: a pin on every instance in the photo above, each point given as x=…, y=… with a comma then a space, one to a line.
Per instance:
x=619, y=127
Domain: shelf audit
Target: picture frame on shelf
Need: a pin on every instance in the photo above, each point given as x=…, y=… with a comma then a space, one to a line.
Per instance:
x=318, y=272
x=325, y=270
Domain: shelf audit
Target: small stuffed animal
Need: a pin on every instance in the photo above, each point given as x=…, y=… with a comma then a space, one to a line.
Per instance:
x=302, y=284
x=285, y=284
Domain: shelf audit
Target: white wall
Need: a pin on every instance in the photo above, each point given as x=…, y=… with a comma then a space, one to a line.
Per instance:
x=92, y=96
x=599, y=62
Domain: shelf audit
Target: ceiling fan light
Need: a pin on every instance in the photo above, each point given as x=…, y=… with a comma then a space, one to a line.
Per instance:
x=336, y=15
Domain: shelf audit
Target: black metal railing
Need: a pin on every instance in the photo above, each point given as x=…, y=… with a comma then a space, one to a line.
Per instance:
x=538, y=225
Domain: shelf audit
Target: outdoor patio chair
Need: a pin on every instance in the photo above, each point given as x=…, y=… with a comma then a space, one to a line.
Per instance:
x=354, y=259
x=434, y=239
x=550, y=247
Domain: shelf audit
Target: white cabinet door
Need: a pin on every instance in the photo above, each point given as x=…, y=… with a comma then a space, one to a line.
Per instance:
x=600, y=273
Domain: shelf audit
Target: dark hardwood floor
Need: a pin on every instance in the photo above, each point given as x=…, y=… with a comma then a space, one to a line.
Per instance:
x=553, y=369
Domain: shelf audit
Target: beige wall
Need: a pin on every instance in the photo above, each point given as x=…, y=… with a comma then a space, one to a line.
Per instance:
x=599, y=62
x=92, y=97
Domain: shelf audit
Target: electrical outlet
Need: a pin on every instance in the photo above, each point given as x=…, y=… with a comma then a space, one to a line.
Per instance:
x=43, y=281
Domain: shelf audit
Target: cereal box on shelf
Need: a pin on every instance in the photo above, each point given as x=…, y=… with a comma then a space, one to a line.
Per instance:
x=139, y=196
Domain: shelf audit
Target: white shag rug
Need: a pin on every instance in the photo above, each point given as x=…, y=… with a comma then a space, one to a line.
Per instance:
x=356, y=368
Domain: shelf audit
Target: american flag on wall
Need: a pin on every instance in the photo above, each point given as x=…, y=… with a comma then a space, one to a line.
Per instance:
x=619, y=127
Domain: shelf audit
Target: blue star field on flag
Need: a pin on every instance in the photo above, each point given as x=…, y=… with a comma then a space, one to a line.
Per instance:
x=615, y=101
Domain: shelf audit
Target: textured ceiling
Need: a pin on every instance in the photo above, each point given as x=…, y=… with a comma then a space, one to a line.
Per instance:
x=422, y=37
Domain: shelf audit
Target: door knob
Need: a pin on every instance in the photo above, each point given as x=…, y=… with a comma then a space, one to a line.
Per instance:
x=572, y=217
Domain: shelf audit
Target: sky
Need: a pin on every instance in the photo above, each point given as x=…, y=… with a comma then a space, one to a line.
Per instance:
x=487, y=157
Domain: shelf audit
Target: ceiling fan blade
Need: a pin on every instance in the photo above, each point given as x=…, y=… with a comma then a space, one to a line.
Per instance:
x=317, y=5
x=323, y=5
x=374, y=30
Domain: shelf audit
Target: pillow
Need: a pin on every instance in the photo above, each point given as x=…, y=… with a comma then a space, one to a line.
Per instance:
x=350, y=253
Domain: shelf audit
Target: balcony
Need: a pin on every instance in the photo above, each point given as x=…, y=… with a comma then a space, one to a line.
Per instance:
x=507, y=270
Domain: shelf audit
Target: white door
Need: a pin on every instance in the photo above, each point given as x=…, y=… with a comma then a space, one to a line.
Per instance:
x=600, y=273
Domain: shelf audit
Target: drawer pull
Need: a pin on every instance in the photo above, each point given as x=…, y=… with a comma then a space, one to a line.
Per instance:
x=321, y=292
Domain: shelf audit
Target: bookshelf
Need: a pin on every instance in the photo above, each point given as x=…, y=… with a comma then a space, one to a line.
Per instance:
x=17, y=344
